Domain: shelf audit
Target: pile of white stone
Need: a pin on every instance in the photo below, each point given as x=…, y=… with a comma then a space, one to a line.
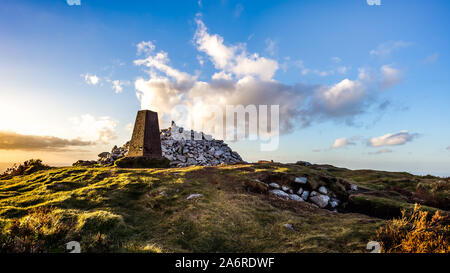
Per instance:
x=184, y=148
x=322, y=198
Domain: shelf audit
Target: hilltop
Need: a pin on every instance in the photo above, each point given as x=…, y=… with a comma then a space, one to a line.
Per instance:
x=225, y=208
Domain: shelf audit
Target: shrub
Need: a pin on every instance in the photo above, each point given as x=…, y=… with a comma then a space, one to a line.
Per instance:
x=41, y=231
x=416, y=233
x=28, y=167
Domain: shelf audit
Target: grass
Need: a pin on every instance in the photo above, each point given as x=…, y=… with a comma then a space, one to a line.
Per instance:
x=146, y=210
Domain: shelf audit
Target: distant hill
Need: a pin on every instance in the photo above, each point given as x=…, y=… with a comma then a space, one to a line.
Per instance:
x=226, y=208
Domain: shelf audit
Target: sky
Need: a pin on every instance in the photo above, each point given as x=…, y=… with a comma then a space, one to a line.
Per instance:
x=359, y=83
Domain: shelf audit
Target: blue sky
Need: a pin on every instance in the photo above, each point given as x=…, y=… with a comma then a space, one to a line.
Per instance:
x=384, y=66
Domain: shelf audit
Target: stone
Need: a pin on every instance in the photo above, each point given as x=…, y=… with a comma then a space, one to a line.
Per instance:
x=320, y=200
x=103, y=155
x=305, y=195
x=314, y=193
x=334, y=202
x=300, y=191
x=295, y=197
x=194, y=196
x=323, y=190
x=303, y=163
x=146, y=141
x=279, y=193
x=353, y=187
x=301, y=180
x=285, y=188
x=289, y=226
x=274, y=185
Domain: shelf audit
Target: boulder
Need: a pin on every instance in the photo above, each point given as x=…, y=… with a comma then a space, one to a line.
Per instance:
x=305, y=195
x=295, y=197
x=285, y=188
x=279, y=193
x=300, y=191
x=274, y=185
x=301, y=180
x=320, y=200
x=323, y=190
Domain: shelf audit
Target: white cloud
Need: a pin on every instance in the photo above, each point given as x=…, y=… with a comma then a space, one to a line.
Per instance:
x=392, y=139
x=271, y=46
x=341, y=142
x=117, y=85
x=374, y=2
x=233, y=59
x=73, y=2
x=381, y=151
x=90, y=128
x=387, y=48
x=145, y=47
x=246, y=79
x=91, y=79
x=390, y=76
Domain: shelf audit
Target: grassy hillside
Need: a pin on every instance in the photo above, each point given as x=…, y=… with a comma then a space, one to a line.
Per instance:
x=146, y=210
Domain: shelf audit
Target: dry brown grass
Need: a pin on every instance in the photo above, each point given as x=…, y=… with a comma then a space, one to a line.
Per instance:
x=416, y=233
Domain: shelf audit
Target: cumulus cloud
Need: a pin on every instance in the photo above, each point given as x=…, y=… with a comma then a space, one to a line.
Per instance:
x=73, y=2
x=392, y=139
x=381, y=151
x=14, y=141
x=341, y=142
x=243, y=78
x=390, y=76
x=387, y=48
x=91, y=79
x=145, y=47
x=233, y=59
x=117, y=85
x=99, y=130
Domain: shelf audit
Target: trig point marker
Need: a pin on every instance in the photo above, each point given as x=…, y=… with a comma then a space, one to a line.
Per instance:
x=146, y=141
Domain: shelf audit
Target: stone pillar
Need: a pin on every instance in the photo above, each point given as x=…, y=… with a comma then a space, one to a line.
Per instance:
x=146, y=141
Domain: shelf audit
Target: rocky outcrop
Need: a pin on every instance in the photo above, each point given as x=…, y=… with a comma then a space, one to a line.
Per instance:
x=183, y=148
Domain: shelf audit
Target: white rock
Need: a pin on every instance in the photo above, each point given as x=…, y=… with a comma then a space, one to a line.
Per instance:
x=320, y=200
x=314, y=193
x=285, y=188
x=334, y=203
x=194, y=196
x=305, y=195
x=279, y=193
x=289, y=226
x=274, y=185
x=301, y=180
x=300, y=191
x=295, y=197
x=353, y=187
x=323, y=190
